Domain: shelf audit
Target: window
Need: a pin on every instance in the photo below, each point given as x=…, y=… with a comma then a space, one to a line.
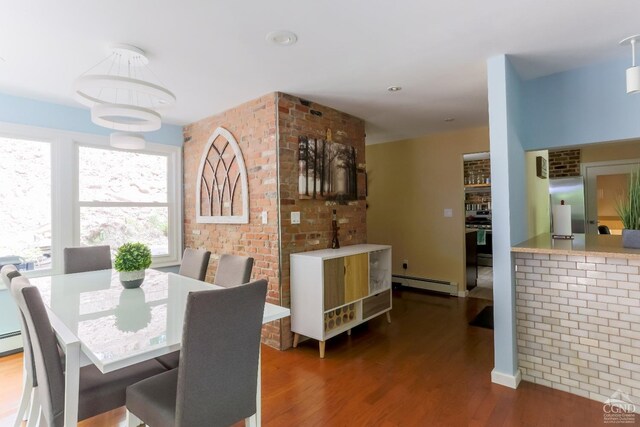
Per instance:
x=123, y=198
x=25, y=211
x=61, y=189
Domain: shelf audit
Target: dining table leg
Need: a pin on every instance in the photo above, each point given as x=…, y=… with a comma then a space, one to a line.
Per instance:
x=72, y=384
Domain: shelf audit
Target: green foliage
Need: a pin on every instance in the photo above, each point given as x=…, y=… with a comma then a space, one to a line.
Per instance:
x=133, y=257
x=629, y=209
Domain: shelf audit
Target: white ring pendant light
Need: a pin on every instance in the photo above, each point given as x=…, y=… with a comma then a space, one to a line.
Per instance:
x=633, y=73
x=126, y=118
x=127, y=140
x=122, y=98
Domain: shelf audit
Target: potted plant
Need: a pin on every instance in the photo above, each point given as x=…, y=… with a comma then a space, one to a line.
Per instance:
x=131, y=261
x=629, y=211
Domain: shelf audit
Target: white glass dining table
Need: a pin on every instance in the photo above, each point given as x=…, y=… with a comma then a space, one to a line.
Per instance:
x=97, y=321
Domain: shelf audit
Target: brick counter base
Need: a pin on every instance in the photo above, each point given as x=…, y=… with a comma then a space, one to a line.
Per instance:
x=578, y=323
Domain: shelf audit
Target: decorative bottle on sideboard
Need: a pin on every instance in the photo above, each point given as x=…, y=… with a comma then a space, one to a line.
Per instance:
x=335, y=244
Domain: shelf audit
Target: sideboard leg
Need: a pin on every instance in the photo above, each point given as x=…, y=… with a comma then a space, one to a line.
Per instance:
x=296, y=338
x=322, y=349
x=388, y=317
x=349, y=332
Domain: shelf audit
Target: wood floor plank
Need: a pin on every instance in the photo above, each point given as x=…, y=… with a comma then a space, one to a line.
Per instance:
x=427, y=368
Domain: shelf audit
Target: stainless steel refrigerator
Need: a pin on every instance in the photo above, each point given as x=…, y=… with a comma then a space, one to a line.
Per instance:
x=571, y=190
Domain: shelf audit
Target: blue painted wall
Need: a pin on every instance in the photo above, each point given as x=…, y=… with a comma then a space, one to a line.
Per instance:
x=581, y=106
x=24, y=111
x=508, y=200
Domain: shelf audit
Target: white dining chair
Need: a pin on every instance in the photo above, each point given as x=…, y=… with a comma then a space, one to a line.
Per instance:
x=29, y=406
x=98, y=392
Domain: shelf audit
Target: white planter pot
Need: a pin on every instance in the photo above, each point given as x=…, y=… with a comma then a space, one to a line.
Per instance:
x=132, y=279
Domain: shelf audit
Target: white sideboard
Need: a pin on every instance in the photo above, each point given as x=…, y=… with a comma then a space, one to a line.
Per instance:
x=333, y=290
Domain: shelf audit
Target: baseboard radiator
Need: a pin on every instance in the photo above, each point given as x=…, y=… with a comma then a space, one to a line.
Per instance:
x=10, y=343
x=450, y=288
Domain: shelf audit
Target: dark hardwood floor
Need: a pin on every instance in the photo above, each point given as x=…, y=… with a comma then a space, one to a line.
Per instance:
x=427, y=368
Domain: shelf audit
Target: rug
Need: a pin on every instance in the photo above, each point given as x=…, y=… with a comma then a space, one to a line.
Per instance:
x=484, y=319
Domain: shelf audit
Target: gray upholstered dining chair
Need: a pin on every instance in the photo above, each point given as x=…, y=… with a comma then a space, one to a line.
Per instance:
x=194, y=263
x=87, y=258
x=216, y=382
x=29, y=383
x=98, y=392
x=233, y=270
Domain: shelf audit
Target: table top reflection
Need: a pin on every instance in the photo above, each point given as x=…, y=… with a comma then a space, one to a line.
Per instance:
x=118, y=327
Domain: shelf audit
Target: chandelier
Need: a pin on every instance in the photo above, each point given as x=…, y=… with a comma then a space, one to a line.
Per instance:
x=124, y=95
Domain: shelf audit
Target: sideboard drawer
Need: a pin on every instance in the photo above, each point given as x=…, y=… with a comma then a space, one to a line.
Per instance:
x=376, y=303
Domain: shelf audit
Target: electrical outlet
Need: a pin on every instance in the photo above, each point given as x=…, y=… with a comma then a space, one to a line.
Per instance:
x=405, y=264
x=448, y=212
x=264, y=217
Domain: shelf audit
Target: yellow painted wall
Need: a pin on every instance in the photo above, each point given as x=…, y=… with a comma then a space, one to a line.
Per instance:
x=537, y=196
x=610, y=151
x=411, y=182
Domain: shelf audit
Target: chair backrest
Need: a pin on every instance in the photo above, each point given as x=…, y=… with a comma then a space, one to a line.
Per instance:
x=87, y=258
x=218, y=370
x=45, y=350
x=603, y=229
x=194, y=263
x=233, y=270
x=9, y=272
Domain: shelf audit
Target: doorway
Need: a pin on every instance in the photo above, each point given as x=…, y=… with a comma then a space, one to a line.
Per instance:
x=478, y=225
x=606, y=183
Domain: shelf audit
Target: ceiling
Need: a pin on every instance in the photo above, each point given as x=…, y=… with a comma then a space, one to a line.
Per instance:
x=213, y=54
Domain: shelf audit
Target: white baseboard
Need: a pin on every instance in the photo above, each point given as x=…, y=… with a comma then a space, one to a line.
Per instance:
x=463, y=294
x=450, y=288
x=506, y=380
x=10, y=343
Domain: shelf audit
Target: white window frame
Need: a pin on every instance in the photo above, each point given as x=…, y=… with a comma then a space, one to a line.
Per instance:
x=65, y=205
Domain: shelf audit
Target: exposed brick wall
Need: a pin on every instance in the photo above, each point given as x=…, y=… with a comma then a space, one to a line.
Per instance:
x=564, y=163
x=477, y=168
x=253, y=125
x=314, y=231
x=262, y=140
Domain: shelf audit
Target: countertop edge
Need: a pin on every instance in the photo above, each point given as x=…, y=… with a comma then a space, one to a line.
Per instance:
x=591, y=245
x=568, y=252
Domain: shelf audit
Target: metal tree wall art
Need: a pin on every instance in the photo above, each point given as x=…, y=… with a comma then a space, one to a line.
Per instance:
x=328, y=170
x=222, y=194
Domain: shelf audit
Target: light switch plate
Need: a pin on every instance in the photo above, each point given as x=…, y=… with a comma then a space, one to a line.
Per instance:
x=264, y=217
x=295, y=217
x=448, y=213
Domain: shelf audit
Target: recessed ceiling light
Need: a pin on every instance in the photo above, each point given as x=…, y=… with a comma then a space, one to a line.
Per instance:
x=450, y=119
x=394, y=88
x=282, y=38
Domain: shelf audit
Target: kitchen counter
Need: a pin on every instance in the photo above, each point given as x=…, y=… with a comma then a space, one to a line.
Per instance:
x=578, y=314
x=597, y=245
